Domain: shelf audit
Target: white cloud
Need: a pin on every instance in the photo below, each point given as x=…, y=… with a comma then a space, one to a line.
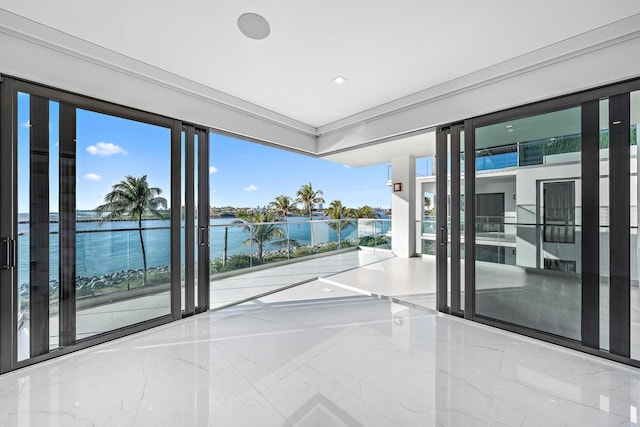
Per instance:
x=251, y=188
x=105, y=149
x=213, y=169
x=92, y=177
x=346, y=166
x=26, y=124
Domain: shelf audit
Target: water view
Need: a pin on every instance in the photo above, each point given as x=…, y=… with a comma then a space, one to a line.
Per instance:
x=108, y=247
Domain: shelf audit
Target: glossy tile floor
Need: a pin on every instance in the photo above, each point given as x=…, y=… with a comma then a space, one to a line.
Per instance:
x=344, y=360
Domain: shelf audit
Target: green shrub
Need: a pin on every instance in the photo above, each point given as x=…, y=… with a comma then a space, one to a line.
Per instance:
x=302, y=251
x=234, y=262
x=374, y=241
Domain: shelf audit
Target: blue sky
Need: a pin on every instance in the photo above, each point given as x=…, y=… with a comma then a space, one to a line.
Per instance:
x=242, y=174
x=249, y=174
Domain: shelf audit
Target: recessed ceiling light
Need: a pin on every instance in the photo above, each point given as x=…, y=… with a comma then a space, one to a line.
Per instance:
x=339, y=80
x=254, y=26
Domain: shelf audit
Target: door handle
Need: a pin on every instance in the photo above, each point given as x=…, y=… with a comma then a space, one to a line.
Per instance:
x=203, y=236
x=8, y=254
x=443, y=236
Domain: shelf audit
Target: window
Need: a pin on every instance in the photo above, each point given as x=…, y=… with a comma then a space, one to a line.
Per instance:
x=559, y=212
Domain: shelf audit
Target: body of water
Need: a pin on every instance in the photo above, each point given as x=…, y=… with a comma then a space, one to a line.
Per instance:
x=115, y=246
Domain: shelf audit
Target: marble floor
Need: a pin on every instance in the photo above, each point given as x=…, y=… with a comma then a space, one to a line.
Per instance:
x=343, y=359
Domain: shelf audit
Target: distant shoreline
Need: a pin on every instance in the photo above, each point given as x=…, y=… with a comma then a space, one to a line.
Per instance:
x=57, y=220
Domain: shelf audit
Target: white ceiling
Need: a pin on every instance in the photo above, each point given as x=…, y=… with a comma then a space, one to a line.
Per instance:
x=418, y=145
x=386, y=50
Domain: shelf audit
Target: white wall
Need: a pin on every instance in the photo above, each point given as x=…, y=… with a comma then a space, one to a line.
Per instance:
x=403, y=206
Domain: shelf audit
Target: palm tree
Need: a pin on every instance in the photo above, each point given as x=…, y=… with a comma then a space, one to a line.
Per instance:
x=341, y=216
x=427, y=202
x=261, y=228
x=132, y=198
x=282, y=206
x=365, y=212
x=308, y=197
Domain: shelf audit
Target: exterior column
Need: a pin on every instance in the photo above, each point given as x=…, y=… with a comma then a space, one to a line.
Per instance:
x=403, y=206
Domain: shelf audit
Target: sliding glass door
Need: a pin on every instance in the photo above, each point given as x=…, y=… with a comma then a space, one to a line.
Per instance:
x=528, y=235
x=87, y=222
x=551, y=242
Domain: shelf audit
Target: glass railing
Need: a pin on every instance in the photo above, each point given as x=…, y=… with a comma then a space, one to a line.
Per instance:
x=428, y=224
x=374, y=233
x=424, y=168
x=237, y=245
x=499, y=238
x=109, y=260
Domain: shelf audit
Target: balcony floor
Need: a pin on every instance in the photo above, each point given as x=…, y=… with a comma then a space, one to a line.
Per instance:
x=227, y=290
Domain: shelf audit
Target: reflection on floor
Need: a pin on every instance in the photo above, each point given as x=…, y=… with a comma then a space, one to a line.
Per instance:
x=545, y=302
x=550, y=303
x=345, y=360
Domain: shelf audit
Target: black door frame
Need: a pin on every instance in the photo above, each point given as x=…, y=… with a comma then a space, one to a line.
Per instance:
x=448, y=176
x=196, y=169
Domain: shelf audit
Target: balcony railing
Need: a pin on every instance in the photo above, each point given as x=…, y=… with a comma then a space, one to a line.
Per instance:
x=237, y=245
x=109, y=261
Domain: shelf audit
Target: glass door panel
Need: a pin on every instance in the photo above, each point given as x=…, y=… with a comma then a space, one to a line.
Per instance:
x=183, y=213
x=195, y=212
x=528, y=237
x=603, y=222
x=23, y=245
x=448, y=224
x=635, y=211
x=86, y=224
x=203, y=220
x=462, y=239
x=38, y=243
x=123, y=254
